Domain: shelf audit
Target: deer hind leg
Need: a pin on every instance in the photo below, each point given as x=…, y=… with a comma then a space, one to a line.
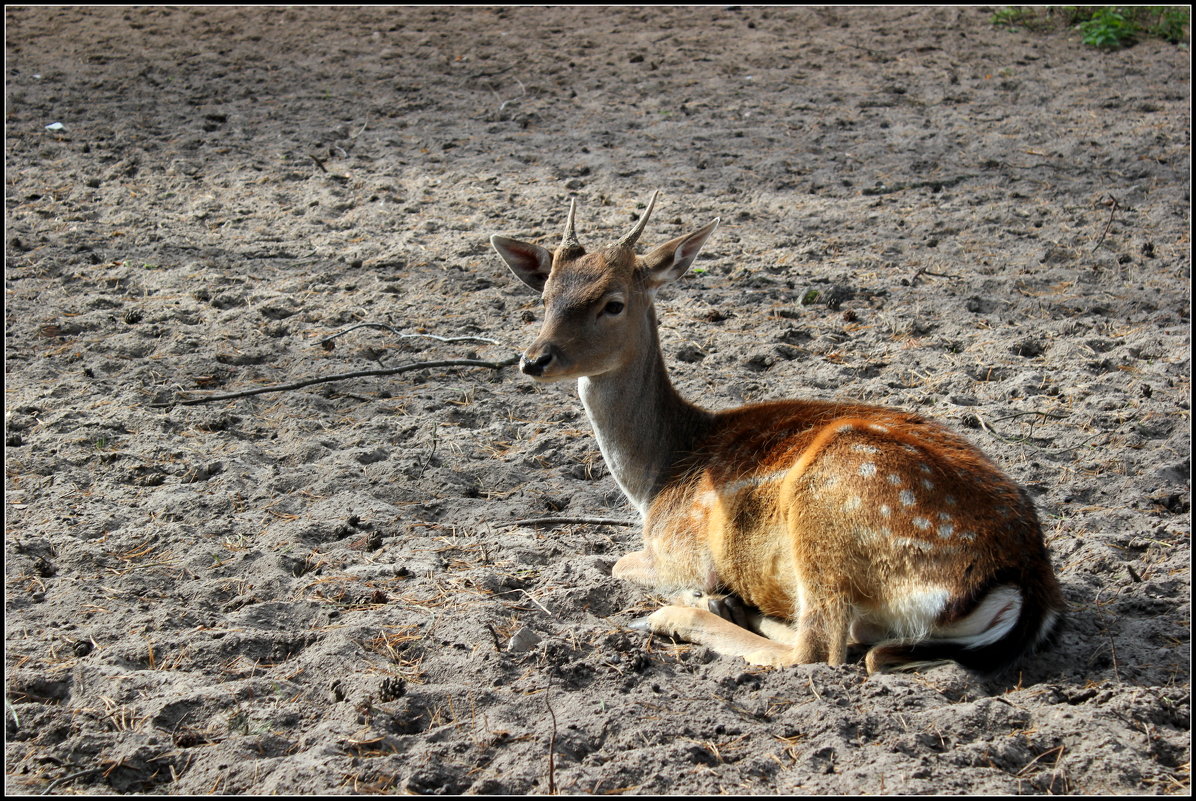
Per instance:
x=822, y=633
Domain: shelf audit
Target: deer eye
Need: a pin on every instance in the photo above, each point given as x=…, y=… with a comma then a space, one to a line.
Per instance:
x=613, y=308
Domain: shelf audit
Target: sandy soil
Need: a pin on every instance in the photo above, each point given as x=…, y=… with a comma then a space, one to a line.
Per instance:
x=320, y=590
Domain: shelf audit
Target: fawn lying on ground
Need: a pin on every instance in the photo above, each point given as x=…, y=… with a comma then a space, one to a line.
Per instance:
x=838, y=522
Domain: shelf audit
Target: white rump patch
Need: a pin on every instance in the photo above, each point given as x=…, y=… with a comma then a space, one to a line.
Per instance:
x=911, y=615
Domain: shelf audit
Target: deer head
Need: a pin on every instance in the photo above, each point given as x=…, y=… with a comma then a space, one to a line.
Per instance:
x=598, y=312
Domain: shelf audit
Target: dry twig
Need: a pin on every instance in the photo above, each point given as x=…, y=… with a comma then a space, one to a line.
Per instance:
x=551, y=742
x=404, y=368
x=1113, y=206
x=553, y=521
x=401, y=335
x=68, y=778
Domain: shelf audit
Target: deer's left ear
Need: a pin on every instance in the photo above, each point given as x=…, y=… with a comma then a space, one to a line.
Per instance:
x=671, y=260
x=530, y=263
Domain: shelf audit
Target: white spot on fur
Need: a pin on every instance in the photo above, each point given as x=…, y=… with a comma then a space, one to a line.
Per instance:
x=927, y=484
x=885, y=511
x=853, y=503
x=907, y=498
x=945, y=530
x=922, y=523
x=867, y=536
x=895, y=479
x=910, y=542
x=747, y=482
x=867, y=469
x=860, y=448
x=925, y=468
x=967, y=535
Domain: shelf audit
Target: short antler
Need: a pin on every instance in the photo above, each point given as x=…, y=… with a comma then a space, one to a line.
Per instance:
x=569, y=240
x=631, y=236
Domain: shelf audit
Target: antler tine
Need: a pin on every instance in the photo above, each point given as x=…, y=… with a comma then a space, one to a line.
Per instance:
x=631, y=236
x=569, y=240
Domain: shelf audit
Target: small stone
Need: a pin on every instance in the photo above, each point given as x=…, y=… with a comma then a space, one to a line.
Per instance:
x=523, y=640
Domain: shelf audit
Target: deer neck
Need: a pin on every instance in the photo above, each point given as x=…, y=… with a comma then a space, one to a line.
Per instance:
x=643, y=426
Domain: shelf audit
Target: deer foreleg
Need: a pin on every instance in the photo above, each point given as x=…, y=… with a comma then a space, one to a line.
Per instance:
x=722, y=636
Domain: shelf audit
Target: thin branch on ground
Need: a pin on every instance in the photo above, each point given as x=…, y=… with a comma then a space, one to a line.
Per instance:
x=69, y=778
x=401, y=335
x=405, y=368
x=1026, y=441
x=551, y=741
x=554, y=521
x=1113, y=206
x=923, y=271
x=522, y=93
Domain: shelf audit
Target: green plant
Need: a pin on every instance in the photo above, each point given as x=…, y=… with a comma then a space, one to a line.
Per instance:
x=1106, y=27
x=1012, y=16
x=1109, y=27
x=1170, y=23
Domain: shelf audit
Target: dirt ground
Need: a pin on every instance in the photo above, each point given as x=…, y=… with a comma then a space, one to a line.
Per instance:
x=320, y=590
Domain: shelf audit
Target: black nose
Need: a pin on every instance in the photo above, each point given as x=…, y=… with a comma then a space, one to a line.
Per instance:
x=534, y=367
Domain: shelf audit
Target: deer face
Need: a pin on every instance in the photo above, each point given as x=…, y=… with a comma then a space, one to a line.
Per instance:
x=593, y=308
x=598, y=313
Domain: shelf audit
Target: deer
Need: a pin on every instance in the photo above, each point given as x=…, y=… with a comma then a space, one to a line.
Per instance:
x=786, y=532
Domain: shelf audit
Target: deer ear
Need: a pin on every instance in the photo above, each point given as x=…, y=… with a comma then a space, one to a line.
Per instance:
x=530, y=263
x=671, y=260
